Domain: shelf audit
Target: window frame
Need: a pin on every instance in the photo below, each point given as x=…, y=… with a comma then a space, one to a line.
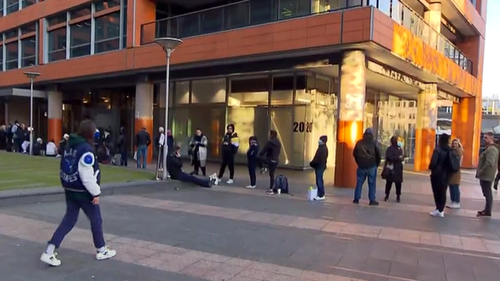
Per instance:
x=99, y=15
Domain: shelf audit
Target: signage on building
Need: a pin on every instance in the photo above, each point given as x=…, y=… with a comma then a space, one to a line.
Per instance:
x=300, y=127
x=377, y=68
x=446, y=96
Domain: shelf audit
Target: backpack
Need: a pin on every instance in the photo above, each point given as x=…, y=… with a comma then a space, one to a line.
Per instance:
x=454, y=162
x=281, y=182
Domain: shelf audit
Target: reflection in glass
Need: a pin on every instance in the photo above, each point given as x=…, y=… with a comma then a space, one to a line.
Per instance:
x=189, y=25
x=182, y=92
x=208, y=91
x=282, y=122
x=12, y=6
x=293, y=8
x=28, y=28
x=1, y=58
x=236, y=16
x=107, y=33
x=385, y=6
x=262, y=11
x=282, y=93
x=211, y=120
x=80, y=12
x=249, y=121
x=249, y=91
x=28, y=51
x=211, y=21
x=57, y=44
x=57, y=19
x=106, y=4
x=11, y=58
x=80, y=39
x=27, y=3
x=13, y=33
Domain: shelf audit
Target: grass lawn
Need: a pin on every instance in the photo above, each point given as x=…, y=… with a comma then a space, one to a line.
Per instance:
x=18, y=171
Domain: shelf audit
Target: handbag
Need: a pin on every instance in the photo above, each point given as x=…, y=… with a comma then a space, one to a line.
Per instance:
x=387, y=170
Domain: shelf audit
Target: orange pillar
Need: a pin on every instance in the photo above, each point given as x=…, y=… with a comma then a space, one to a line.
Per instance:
x=144, y=112
x=466, y=126
x=425, y=136
x=350, y=124
x=140, y=25
x=54, y=112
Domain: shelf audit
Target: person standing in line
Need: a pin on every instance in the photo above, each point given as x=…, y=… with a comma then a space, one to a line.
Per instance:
x=170, y=142
x=270, y=155
x=394, y=166
x=367, y=156
x=252, y=161
x=440, y=167
x=122, y=147
x=319, y=165
x=142, y=140
x=160, y=143
x=455, y=178
x=80, y=178
x=230, y=144
x=486, y=169
x=497, y=178
x=198, y=151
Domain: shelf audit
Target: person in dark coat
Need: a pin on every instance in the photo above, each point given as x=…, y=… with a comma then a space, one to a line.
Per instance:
x=319, y=165
x=3, y=137
x=252, y=161
x=270, y=155
x=122, y=147
x=394, y=166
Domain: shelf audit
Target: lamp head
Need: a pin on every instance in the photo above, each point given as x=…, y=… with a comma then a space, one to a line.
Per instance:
x=168, y=43
x=32, y=75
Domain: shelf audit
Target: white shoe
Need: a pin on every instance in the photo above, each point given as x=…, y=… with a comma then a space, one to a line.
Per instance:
x=50, y=259
x=250, y=186
x=229, y=181
x=453, y=205
x=437, y=213
x=317, y=198
x=106, y=254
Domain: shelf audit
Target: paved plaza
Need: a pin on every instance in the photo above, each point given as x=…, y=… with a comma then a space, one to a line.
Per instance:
x=233, y=234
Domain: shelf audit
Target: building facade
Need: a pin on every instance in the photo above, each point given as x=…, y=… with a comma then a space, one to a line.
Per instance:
x=304, y=68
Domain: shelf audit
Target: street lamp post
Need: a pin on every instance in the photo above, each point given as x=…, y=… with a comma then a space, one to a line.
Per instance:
x=32, y=76
x=168, y=44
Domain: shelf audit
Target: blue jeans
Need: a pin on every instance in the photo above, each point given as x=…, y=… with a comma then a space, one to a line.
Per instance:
x=142, y=154
x=123, y=160
x=203, y=182
x=455, y=193
x=320, y=184
x=362, y=174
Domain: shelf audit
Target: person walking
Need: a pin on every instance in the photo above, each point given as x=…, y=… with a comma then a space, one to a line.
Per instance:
x=160, y=142
x=393, y=169
x=367, y=156
x=198, y=151
x=440, y=167
x=319, y=165
x=230, y=144
x=252, y=161
x=455, y=178
x=80, y=178
x=486, y=169
x=142, y=140
x=269, y=155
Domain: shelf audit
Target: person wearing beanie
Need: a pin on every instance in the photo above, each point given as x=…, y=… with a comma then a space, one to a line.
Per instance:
x=367, y=156
x=230, y=144
x=252, y=160
x=270, y=155
x=319, y=165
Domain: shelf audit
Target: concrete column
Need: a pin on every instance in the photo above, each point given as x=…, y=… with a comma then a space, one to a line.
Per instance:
x=425, y=137
x=433, y=18
x=54, y=100
x=466, y=126
x=144, y=111
x=350, y=124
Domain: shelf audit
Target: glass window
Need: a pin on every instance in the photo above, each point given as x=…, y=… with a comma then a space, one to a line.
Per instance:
x=293, y=8
x=211, y=21
x=282, y=122
x=282, y=93
x=106, y=4
x=80, y=39
x=28, y=51
x=80, y=12
x=189, y=25
x=209, y=91
x=107, y=33
x=124, y=27
x=182, y=92
x=354, y=3
x=236, y=15
x=13, y=33
x=11, y=57
x=12, y=6
x=28, y=28
x=385, y=6
x=249, y=91
x=1, y=9
x=1, y=57
x=262, y=11
x=57, y=44
x=57, y=19
x=27, y=3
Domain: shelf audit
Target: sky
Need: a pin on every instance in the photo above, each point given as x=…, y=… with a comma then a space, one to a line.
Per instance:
x=491, y=60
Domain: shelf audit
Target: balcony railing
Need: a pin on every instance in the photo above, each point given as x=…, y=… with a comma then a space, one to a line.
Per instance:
x=251, y=12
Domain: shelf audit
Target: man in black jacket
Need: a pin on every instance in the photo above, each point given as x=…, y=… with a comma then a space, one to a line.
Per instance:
x=319, y=165
x=270, y=155
x=122, y=147
x=174, y=168
x=440, y=167
x=230, y=144
x=367, y=155
x=142, y=140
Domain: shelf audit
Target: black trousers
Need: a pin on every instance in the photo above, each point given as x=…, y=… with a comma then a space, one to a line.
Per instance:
x=439, y=187
x=252, y=165
x=388, y=187
x=227, y=161
x=271, y=169
x=197, y=166
x=488, y=195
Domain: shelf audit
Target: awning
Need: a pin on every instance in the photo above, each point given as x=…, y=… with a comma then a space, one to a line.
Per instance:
x=22, y=93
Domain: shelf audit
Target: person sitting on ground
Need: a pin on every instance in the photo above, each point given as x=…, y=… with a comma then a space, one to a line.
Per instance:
x=37, y=147
x=174, y=167
x=103, y=155
x=51, y=149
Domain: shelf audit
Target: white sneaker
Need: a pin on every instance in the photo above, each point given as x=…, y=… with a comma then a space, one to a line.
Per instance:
x=453, y=205
x=229, y=181
x=437, y=213
x=50, y=259
x=106, y=254
x=250, y=186
x=317, y=198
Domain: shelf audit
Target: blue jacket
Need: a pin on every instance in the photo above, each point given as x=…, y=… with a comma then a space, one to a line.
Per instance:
x=79, y=169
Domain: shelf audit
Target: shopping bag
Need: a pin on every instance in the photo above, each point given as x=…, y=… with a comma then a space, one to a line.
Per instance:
x=135, y=155
x=312, y=193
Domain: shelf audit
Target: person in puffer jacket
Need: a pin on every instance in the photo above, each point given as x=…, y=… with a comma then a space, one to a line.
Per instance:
x=230, y=144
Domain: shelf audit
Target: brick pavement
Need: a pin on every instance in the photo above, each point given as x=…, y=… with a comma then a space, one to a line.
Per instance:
x=234, y=234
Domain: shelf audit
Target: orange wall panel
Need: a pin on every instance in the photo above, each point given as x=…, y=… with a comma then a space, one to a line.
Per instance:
x=54, y=130
x=383, y=29
x=424, y=147
x=145, y=11
x=348, y=133
x=466, y=125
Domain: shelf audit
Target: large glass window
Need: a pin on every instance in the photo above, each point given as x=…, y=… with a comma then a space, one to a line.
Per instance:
x=106, y=4
x=124, y=26
x=12, y=6
x=1, y=8
x=262, y=11
x=27, y=3
x=80, y=39
x=293, y=8
x=182, y=92
x=57, y=44
x=11, y=58
x=236, y=16
x=57, y=19
x=29, y=28
x=282, y=93
x=28, y=51
x=208, y=91
x=107, y=33
x=249, y=91
x=211, y=21
x=13, y=33
x=80, y=12
x=1, y=57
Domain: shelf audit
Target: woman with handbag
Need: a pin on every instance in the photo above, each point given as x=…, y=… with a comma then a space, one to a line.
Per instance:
x=455, y=178
x=198, y=152
x=393, y=168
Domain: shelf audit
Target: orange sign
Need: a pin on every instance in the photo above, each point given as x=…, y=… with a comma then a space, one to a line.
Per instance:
x=408, y=46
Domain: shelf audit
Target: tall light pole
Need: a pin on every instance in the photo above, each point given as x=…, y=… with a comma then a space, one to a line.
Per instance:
x=168, y=44
x=32, y=76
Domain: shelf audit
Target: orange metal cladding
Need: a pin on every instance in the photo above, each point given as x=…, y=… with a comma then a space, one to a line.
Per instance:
x=348, y=133
x=54, y=130
x=148, y=124
x=424, y=145
x=466, y=126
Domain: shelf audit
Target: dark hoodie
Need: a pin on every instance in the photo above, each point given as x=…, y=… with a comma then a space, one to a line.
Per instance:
x=230, y=143
x=253, y=151
x=271, y=150
x=321, y=156
x=366, y=152
x=440, y=164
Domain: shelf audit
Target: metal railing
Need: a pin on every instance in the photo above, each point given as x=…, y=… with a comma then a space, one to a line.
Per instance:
x=250, y=13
